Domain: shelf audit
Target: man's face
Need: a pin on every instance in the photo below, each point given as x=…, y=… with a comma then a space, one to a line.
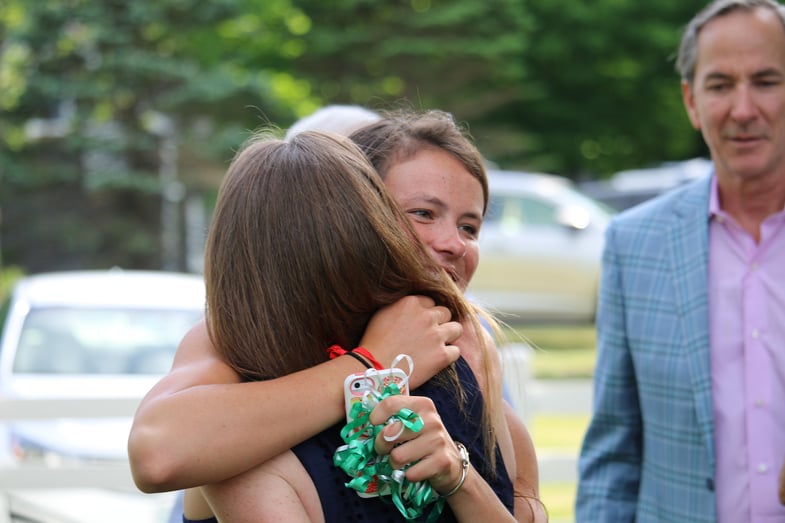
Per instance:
x=737, y=97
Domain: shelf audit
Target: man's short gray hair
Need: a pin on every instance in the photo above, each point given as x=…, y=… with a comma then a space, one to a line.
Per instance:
x=688, y=49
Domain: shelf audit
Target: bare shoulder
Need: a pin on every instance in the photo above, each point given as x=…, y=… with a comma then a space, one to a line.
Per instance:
x=282, y=491
x=196, y=353
x=196, y=362
x=195, y=346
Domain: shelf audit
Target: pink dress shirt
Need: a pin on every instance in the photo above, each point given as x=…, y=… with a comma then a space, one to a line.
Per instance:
x=747, y=337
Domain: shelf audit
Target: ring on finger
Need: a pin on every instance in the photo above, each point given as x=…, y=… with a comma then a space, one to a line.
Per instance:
x=397, y=435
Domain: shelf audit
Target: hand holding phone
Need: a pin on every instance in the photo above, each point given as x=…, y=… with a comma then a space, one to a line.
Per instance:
x=362, y=391
x=369, y=386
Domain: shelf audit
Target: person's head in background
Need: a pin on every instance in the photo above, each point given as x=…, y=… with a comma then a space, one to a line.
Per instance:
x=437, y=176
x=732, y=65
x=304, y=233
x=336, y=118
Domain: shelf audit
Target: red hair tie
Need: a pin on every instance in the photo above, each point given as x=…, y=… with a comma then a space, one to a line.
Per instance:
x=359, y=353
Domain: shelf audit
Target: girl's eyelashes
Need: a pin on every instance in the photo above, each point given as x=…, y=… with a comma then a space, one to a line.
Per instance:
x=421, y=213
x=471, y=230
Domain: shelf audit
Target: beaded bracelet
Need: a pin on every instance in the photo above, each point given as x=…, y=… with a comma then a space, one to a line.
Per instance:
x=464, y=470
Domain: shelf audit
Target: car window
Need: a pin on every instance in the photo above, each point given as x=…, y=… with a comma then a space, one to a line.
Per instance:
x=515, y=212
x=100, y=341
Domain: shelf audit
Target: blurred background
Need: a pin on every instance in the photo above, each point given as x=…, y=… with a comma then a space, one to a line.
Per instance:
x=118, y=120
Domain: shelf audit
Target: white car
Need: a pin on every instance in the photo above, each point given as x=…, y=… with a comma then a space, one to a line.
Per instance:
x=88, y=334
x=628, y=188
x=540, y=249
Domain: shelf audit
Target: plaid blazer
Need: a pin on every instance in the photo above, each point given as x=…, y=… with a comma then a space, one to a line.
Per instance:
x=648, y=455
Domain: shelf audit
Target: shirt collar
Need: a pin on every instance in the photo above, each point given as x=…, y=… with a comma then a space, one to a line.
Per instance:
x=714, y=198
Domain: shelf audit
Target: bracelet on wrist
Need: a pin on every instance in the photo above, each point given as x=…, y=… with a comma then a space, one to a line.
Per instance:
x=359, y=358
x=365, y=353
x=464, y=469
x=361, y=354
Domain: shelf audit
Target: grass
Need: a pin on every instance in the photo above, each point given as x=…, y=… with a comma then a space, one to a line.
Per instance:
x=560, y=351
x=558, y=434
x=559, y=500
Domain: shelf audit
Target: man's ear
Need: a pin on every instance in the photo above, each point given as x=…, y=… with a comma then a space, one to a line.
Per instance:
x=689, y=104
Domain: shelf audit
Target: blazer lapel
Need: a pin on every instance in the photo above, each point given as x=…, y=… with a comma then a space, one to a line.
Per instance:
x=688, y=241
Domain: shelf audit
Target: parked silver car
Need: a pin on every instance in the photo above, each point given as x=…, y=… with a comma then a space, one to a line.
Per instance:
x=540, y=249
x=89, y=335
x=628, y=188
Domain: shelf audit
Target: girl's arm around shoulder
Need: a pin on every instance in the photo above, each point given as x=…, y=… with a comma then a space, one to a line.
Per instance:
x=200, y=425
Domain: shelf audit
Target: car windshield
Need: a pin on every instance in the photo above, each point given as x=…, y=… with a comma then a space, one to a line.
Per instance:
x=513, y=211
x=100, y=340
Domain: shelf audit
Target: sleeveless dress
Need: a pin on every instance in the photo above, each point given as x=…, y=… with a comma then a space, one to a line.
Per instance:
x=341, y=504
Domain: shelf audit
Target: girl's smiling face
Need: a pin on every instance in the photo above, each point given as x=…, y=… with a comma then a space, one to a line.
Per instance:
x=444, y=203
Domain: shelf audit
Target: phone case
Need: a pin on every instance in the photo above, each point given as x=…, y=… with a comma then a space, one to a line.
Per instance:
x=373, y=382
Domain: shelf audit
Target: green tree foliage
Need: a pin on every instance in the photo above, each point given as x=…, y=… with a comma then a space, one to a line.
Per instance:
x=113, y=114
x=464, y=57
x=113, y=109
x=576, y=87
x=602, y=94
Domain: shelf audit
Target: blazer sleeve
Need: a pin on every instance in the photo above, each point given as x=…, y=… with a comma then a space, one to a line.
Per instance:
x=609, y=466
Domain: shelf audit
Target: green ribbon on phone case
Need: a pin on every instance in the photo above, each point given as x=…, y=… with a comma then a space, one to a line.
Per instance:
x=359, y=460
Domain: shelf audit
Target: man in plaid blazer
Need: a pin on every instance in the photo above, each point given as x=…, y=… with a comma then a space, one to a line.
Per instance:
x=689, y=406
x=653, y=370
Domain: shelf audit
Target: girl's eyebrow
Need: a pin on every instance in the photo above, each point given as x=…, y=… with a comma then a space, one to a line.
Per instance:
x=427, y=198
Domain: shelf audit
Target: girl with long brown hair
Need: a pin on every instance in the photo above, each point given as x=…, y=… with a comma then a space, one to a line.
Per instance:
x=305, y=245
x=423, y=143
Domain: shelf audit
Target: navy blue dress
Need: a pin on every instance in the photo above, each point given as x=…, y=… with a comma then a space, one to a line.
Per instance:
x=342, y=505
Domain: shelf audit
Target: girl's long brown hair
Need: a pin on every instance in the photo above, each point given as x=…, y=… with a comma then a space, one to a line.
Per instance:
x=304, y=246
